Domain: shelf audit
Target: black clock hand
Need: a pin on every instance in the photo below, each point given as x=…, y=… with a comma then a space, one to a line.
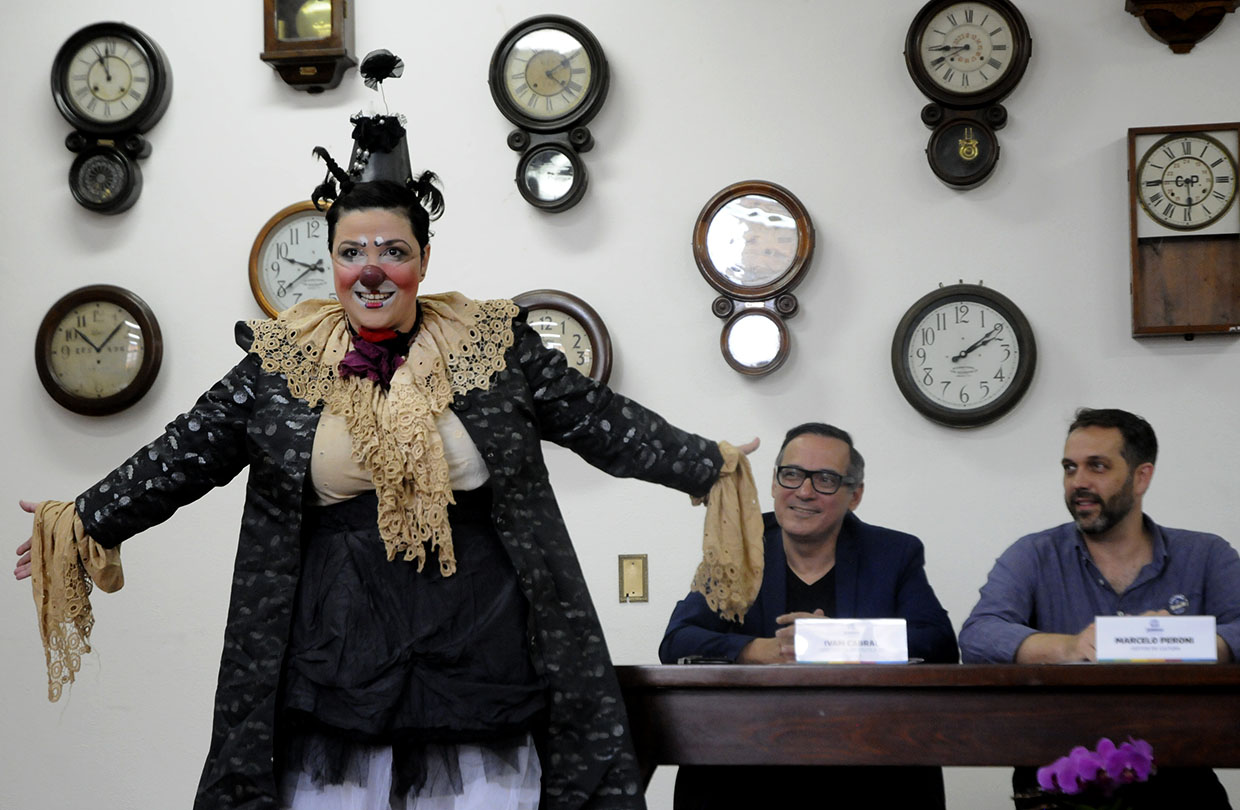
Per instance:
x=310, y=268
x=83, y=337
x=982, y=341
x=318, y=265
x=111, y=335
x=953, y=48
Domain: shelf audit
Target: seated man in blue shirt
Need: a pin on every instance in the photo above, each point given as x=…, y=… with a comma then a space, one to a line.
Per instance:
x=821, y=560
x=1039, y=603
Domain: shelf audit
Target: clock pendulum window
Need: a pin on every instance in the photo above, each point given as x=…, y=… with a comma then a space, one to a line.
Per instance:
x=549, y=77
x=966, y=57
x=112, y=83
x=753, y=242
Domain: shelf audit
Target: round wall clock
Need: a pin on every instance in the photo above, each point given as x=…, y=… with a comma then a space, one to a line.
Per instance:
x=567, y=323
x=963, y=355
x=291, y=260
x=967, y=54
x=110, y=78
x=1187, y=181
x=549, y=74
x=98, y=350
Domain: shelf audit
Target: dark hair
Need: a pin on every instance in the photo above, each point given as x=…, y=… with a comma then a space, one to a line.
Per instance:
x=856, y=464
x=1140, y=446
x=420, y=202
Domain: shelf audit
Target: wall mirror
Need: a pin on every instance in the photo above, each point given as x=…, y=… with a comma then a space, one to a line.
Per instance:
x=753, y=242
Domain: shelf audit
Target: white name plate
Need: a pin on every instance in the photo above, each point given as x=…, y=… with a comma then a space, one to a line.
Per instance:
x=1155, y=638
x=851, y=641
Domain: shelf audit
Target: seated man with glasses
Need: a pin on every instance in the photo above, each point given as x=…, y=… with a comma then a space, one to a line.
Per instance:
x=821, y=560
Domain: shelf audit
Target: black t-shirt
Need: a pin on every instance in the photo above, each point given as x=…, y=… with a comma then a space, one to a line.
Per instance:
x=808, y=598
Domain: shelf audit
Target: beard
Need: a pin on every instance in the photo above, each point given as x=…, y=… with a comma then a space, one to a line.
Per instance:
x=1110, y=510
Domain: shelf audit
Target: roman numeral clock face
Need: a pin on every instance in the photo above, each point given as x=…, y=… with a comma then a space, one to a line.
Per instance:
x=107, y=79
x=967, y=55
x=1187, y=181
x=547, y=73
x=967, y=47
x=110, y=78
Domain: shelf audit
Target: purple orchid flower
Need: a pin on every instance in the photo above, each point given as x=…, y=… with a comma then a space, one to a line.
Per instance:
x=1133, y=761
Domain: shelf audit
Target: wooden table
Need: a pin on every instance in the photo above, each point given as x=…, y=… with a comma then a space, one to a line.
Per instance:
x=928, y=714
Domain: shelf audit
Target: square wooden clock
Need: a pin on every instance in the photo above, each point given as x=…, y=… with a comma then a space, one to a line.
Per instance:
x=1185, y=229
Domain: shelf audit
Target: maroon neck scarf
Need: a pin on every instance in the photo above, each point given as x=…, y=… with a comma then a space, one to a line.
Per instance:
x=376, y=354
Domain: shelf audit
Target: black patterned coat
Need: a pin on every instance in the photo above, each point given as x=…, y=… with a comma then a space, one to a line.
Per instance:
x=250, y=418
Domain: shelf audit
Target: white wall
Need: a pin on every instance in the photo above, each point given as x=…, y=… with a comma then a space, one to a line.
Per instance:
x=811, y=95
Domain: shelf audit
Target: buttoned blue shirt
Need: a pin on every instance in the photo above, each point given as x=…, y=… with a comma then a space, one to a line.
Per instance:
x=1048, y=582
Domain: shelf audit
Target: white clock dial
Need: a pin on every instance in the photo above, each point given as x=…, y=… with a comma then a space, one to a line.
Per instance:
x=291, y=261
x=967, y=47
x=1187, y=181
x=96, y=350
x=107, y=79
x=547, y=73
x=562, y=331
x=963, y=355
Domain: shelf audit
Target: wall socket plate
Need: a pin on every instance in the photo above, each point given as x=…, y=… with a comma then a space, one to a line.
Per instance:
x=634, y=581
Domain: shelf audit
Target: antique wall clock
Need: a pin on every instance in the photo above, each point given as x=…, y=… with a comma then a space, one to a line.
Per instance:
x=291, y=260
x=966, y=57
x=309, y=43
x=963, y=355
x=549, y=77
x=1184, y=229
x=753, y=242
x=98, y=350
x=567, y=323
x=112, y=83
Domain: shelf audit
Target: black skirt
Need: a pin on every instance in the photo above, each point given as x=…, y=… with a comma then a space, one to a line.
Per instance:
x=381, y=653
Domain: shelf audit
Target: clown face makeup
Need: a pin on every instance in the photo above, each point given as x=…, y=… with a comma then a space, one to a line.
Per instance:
x=378, y=265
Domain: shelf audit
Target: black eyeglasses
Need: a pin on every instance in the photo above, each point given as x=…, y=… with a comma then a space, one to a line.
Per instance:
x=824, y=482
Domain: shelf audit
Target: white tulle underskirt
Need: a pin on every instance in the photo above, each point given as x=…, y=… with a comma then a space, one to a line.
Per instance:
x=486, y=783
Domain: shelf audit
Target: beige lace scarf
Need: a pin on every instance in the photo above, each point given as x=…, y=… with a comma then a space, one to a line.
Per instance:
x=64, y=563
x=460, y=345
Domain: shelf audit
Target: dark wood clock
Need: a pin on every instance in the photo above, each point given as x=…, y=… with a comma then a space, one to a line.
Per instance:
x=98, y=350
x=112, y=83
x=308, y=42
x=1184, y=229
x=966, y=56
x=549, y=77
x=567, y=323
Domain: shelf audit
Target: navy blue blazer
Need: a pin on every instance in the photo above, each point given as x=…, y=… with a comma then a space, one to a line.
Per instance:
x=879, y=574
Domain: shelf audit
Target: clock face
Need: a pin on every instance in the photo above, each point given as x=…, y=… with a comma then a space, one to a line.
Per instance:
x=111, y=78
x=99, y=350
x=568, y=324
x=291, y=261
x=1187, y=181
x=963, y=355
x=967, y=47
x=107, y=79
x=562, y=331
x=968, y=53
x=548, y=74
